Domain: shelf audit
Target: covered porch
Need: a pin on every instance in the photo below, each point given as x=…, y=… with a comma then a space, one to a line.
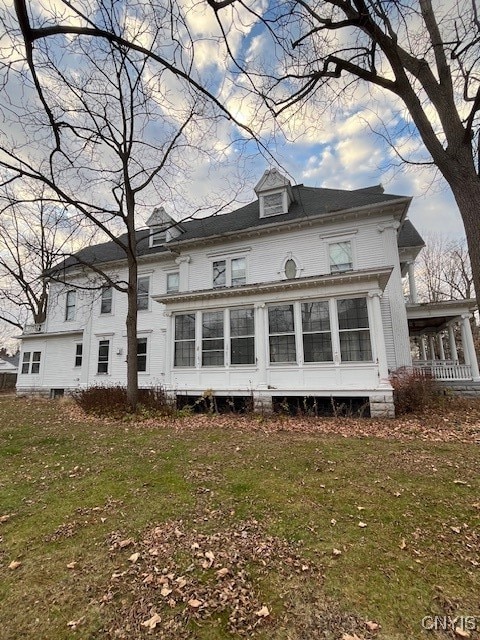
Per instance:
x=442, y=339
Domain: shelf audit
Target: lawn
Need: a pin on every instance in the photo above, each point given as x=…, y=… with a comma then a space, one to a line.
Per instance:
x=216, y=527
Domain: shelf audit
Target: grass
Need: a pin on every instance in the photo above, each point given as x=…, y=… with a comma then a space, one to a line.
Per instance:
x=74, y=489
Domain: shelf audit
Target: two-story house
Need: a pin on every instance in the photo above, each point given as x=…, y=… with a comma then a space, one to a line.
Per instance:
x=297, y=294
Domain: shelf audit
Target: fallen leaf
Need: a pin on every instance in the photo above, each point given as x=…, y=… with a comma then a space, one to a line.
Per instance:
x=165, y=592
x=403, y=544
x=263, y=612
x=461, y=632
x=347, y=636
x=134, y=557
x=337, y=552
x=14, y=564
x=456, y=529
x=459, y=482
x=372, y=626
x=362, y=524
x=71, y=565
x=152, y=622
x=4, y=518
x=221, y=573
x=194, y=603
x=125, y=543
x=73, y=624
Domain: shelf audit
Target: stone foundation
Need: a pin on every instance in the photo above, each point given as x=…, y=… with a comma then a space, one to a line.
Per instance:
x=381, y=406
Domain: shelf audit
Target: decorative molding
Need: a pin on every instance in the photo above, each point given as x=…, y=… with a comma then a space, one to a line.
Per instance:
x=339, y=233
x=227, y=252
x=395, y=224
x=182, y=259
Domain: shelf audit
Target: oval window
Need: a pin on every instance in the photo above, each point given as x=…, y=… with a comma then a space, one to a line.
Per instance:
x=290, y=269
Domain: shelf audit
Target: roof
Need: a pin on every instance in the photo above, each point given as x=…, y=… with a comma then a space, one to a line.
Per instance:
x=308, y=202
x=408, y=236
x=13, y=360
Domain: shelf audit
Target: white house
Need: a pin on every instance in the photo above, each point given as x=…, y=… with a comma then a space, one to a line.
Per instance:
x=298, y=294
x=8, y=371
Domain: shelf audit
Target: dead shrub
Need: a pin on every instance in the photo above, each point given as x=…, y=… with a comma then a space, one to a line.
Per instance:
x=413, y=390
x=112, y=401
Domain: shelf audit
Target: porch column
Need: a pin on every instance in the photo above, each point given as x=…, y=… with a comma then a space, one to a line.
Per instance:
x=469, y=346
x=441, y=350
x=261, y=345
x=423, y=348
x=453, y=346
x=169, y=336
x=432, y=347
x=378, y=335
x=412, y=287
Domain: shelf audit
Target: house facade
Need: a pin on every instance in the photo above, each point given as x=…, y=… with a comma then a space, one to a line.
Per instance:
x=298, y=294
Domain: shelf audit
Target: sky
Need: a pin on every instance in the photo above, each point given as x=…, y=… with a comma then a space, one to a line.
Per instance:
x=326, y=144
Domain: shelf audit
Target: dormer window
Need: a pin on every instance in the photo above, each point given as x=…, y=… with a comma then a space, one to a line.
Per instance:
x=272, y=204
x=274, y=193
x=157, y=236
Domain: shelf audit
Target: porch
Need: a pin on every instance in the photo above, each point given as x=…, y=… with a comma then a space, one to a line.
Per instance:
x=442, y=339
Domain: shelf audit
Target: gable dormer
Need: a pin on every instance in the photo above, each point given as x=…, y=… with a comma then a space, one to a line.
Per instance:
x=162, y=227
x=274, y=193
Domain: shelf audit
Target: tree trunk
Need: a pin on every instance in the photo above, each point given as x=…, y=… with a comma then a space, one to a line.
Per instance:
x=132, y=369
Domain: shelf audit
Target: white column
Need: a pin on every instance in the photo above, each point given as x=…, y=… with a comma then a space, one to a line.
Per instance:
x=168, y=347
x=378, y=335
x=469, y=346
x=423, y=348
x=412, y=287
x=432, y=347
x=261, y=343
x=441, y=350
x=453, y=346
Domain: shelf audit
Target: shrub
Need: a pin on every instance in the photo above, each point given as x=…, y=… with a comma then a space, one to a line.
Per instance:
x=112, y=401
x=413, y=390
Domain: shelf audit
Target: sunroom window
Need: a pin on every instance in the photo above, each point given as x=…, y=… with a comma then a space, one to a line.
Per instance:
x=282, y=333
x=355, y=344
x=317, y=337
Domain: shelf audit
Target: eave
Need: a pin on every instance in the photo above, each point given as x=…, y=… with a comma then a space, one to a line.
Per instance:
x=369, y=277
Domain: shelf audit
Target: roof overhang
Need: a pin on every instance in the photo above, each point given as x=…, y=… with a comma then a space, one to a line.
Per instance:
x=431, y=317
x=344, y=283
x=53, y=334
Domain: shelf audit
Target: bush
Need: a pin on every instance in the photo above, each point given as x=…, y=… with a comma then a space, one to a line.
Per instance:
x=413, y=390
x=112, y=401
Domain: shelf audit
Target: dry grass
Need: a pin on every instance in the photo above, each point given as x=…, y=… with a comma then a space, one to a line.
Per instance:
x=276, y=503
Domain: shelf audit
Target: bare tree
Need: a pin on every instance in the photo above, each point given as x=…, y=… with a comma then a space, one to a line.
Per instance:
x=111, y=139
x=443, y=270
x=425, y=55
x=35, y=233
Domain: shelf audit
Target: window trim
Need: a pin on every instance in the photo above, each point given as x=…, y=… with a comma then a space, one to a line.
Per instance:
x=364, y=329
x=183, y=340
x=104, y=289
x=29, y=362
x=157, y=236
x=283, y=192
x=146, y=371
x=338, y=240
x=169, y=289
x=78, y=355
x=228, y=270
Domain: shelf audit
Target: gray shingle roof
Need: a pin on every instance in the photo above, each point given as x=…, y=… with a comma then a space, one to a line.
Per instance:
x=408, y=236
x=309, y=201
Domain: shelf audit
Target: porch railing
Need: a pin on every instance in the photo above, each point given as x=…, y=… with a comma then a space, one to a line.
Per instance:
x=37, y=327
x=444, y=369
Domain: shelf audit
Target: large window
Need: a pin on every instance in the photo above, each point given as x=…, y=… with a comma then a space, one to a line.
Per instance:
x=103, y=356
x=281, y=325
x=143, y=288
x=231, y=272
x=340, y=256
x=184, y=355
x=242, y=336
x=106, y=300
x=355, y=345
x=317, y=337
x=31, y=362
x=213, y=344
x=142, y=355
x=272, y=204
x=70, y=305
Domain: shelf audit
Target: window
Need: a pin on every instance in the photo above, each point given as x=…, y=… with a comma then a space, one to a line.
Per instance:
x=78, y=354
x=213, y=347
x=143, y=287
x=238, y=266
x=354, y=330
x=106, y=302
x=184, y=340
x=282, y=333
x=157, y=236
x=103, y=356
x=273, y=204
x=290, y=269
x=142, y=355
x=229, y=273
x=173, y=282
x=31, y=362
x=242, y=336
x=70, y=305
x=219, y=273
x=340, y=256
x=317, y=337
